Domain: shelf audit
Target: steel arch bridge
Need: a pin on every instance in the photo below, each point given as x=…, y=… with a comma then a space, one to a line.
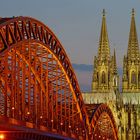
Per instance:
x=39, y=94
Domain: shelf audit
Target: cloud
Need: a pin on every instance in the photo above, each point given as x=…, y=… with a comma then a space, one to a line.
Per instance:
x=83, y=67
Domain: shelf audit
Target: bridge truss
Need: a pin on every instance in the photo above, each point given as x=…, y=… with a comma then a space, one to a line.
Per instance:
x=38, y=87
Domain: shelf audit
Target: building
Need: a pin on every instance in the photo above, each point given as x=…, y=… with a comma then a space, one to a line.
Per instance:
x=124, y=104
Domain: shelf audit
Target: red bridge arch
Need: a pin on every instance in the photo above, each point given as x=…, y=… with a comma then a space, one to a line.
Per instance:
x=37, y=81
x=102, y=122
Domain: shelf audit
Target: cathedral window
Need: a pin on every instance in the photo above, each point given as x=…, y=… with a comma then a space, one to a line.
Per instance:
x=103, y=77
x=115, y=81
x=97, y=76
x=133, y=78
x=139, y=77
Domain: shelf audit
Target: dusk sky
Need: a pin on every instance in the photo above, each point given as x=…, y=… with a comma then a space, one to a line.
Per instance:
x=77, y=24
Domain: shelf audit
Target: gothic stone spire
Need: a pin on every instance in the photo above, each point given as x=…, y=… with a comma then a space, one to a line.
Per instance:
x=133, y=47
x=131, y=68
x=104, y=50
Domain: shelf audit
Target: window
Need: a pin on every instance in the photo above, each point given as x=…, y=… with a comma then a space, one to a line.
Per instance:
x=139, y=77
x=103, y=77
x=133, y=77
x=97, y=76
x=115, y=81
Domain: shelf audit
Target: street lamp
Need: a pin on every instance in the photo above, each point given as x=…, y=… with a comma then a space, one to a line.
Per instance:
x=69, y=126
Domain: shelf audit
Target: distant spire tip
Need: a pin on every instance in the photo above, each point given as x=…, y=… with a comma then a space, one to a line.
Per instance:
x=103, y=12
x=133, y=12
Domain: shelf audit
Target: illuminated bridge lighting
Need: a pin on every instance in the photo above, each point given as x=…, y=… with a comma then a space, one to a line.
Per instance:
x=2, y=136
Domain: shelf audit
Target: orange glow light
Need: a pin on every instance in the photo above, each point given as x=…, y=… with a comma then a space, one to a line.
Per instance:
x=1, y=136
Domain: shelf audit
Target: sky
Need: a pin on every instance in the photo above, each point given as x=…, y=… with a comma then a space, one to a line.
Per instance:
x=77, y=24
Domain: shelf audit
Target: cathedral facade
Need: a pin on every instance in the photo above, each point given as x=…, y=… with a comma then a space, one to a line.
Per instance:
x=124, y=104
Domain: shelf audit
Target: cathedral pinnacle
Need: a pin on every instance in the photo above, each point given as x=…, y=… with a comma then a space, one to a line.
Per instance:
x=133, y=47
x=104, y=50
x=103, y=12
x=114, y=61
x=133, y=12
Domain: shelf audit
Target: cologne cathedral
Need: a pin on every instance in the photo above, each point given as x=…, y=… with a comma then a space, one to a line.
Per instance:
x=125, y=103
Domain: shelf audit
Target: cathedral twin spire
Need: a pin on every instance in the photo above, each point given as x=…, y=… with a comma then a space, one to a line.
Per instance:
x=131, y=63
x=105, y=70
x=105, y=75
x=104, y=50
x=133, y=47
